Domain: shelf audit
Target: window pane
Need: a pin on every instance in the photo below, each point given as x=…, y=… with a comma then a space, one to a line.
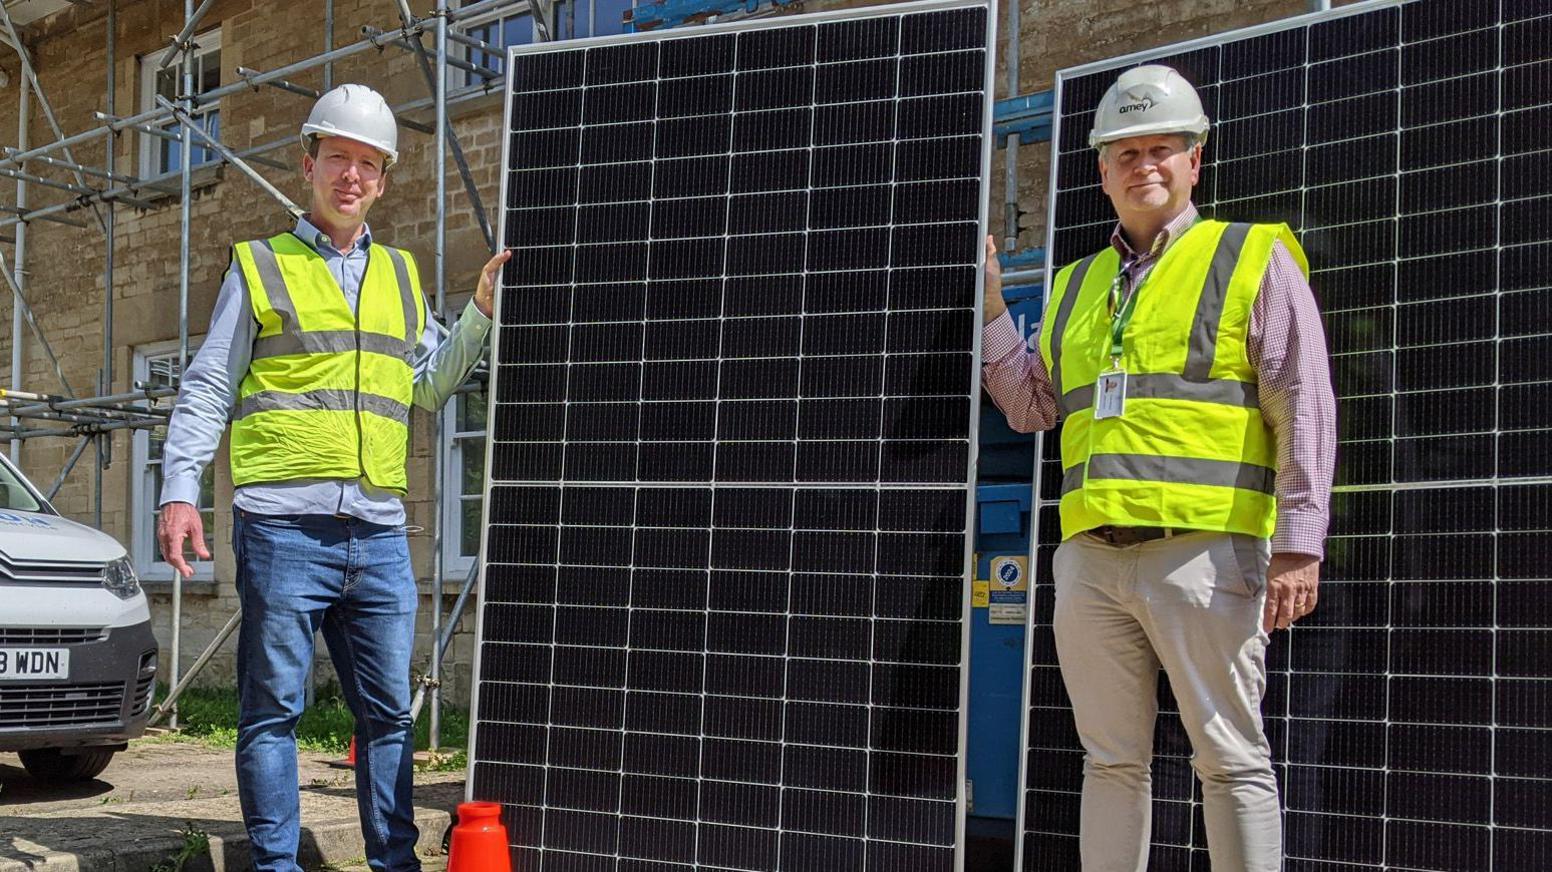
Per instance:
x=166, y=79
x=485, y=33
x=469, y=528
x=162, y=371
x=472, y=455
x=211, y=122
x=209, y=520
x=566, y=25
x=517, y=30
x=171, y=155
x=207, y=487
x=471, y=412
x=208, y=72
x=609, y=16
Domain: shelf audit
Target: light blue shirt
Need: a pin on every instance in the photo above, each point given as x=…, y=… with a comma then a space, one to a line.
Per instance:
x=208, y=393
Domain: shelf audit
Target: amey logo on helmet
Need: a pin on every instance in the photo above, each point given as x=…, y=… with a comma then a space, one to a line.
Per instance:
x=1142, y=105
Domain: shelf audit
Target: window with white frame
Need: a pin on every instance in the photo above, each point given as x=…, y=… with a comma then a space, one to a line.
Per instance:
x=163, y=155
x=157, y=366
x=573, y=19
x=463, y=440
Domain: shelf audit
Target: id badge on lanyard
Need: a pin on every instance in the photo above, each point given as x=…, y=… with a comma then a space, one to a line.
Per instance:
x=1110, y=394
x=1110, y=389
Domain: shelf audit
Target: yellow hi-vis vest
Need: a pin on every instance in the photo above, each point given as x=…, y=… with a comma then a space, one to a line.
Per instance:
x=1191, y=449
x=328, y=392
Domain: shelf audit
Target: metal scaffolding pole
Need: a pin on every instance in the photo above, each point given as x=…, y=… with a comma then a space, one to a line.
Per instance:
x=170, y=703
x=110, y=161
x=159, y=115
x=18, y=327
x=1010, y=166
x=328, y=43
x=191, y=127
x=43, y=102
x=19, y=301
x=186, y=152
x=444, y=126
x=52, y=213
x=180, y=43
x=91, y=418
x=64, y=471
x=24, y=216
x=439, y=166
x=449, y=627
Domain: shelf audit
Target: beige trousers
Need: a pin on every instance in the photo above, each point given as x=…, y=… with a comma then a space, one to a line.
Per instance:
x=1191, y=604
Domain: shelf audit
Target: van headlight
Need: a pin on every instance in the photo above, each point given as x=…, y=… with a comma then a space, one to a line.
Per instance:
x=120, y=578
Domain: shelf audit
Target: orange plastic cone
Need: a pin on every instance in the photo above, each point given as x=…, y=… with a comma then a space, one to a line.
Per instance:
x=479, y=841
x=348, y=761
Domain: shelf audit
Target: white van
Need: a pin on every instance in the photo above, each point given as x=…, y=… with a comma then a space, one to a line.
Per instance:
x=77, y=657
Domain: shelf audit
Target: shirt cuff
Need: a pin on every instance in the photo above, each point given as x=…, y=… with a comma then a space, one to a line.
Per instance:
x=180, y=489
x=1300, y=533
x=473, y=319
x=999, y=339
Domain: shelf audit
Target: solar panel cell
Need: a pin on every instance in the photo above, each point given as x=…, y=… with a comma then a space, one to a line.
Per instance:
x=1396, y=711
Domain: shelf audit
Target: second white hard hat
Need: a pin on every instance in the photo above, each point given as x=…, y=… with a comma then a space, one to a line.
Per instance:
x=355, y=112
x=1148, y=100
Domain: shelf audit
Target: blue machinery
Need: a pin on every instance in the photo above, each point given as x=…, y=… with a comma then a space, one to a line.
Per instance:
x=1004, y=476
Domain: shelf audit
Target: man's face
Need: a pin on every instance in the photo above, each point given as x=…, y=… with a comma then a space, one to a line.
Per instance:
x=347, y=177
x=1150, y=174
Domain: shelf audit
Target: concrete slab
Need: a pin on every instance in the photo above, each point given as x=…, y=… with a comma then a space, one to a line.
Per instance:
x=136, y=814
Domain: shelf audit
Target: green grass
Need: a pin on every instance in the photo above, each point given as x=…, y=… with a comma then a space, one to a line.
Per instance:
x=209, y=716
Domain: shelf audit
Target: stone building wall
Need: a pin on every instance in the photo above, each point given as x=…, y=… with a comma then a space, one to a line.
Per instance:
x=65, y=264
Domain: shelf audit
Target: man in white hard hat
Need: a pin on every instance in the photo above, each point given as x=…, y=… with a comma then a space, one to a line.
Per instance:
x=1188, y=364
x=319, y=344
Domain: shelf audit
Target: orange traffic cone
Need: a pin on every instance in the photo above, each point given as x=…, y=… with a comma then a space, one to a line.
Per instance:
x=349, y=762
x=479, y=840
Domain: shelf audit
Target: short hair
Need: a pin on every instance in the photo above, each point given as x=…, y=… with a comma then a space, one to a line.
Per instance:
x=1191, y=141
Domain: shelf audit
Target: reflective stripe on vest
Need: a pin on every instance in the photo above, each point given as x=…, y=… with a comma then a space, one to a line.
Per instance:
x=1192, y=449
x=328, y=391
x=326, y=400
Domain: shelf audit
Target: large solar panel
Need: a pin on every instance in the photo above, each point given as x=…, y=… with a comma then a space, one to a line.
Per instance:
x=731, y=452
x=1411, y=715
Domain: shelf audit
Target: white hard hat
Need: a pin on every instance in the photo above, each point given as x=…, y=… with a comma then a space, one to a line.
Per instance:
x=355, y=112
x=1148, y=100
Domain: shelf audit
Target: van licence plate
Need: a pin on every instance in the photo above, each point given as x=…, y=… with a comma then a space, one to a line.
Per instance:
x=22, y=664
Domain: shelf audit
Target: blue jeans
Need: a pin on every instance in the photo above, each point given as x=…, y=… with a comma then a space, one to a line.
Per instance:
x=297, y=574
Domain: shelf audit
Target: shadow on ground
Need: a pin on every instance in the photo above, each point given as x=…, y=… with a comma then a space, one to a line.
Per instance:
x=137, y=836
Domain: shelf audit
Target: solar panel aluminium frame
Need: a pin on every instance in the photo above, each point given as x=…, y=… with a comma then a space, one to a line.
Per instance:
x=1051, y=268
x=973, y=390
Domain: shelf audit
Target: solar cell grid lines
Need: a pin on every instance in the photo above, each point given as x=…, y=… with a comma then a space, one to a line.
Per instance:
x=1409, y=714
x=730, y=458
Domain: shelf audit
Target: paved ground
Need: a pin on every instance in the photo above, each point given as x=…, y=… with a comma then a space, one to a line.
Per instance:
x=436, y=863
x=137, y=813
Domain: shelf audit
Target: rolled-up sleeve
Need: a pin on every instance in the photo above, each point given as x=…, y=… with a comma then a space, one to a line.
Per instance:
x=1287, y=347
x=1016, y=377
x=445, y=357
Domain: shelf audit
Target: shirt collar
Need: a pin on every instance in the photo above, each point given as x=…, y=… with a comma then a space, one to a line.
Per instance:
x=320, y=242
x=1171, y=233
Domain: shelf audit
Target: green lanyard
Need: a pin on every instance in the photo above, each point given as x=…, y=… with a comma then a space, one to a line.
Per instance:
x=1121, y=315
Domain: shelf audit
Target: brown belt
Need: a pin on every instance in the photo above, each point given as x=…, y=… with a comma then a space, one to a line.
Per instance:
x=1119, y=536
